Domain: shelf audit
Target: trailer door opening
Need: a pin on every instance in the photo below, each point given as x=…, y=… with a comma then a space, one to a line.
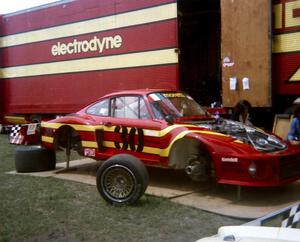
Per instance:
x=199, y=49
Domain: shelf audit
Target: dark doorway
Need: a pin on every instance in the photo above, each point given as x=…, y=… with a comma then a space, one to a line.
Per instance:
x=199, y=25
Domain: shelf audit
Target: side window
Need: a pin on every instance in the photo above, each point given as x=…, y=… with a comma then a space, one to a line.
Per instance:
x=100, y=108
x=129, y=107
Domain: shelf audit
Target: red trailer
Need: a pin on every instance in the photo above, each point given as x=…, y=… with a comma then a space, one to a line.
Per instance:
x=84, y=49
x=57, y=58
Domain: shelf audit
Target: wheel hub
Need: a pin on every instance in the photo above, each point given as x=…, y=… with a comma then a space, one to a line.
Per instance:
x=118, y=182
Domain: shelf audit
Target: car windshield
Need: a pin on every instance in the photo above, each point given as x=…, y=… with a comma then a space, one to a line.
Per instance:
x=177, y=104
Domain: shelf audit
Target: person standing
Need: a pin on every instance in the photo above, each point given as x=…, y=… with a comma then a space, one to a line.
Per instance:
x=294, y=133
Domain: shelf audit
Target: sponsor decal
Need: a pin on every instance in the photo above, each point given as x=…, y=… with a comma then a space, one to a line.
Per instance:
x=92, y=45
x=229, y=159
x=89, y=152
x=31, y=129
x=227, y=62
x=173, y=95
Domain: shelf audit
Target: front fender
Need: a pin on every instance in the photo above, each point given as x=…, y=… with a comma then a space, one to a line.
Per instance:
x=219, y=143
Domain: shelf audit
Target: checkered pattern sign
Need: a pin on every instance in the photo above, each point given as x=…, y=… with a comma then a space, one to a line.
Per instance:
x=15, y=137
x=292, y=217
x=15, y=130
x=288, y=217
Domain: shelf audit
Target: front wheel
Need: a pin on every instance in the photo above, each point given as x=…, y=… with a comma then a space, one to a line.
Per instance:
x=122, y=179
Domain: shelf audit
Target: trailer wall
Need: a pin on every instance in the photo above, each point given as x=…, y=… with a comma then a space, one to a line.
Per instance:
x=60, y=57
x=286, y=47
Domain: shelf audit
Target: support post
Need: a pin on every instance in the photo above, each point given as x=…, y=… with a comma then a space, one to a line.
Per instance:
x=68, y=151
x=239, y=192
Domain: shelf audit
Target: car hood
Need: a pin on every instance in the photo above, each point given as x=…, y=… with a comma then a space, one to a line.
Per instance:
x=253, y=136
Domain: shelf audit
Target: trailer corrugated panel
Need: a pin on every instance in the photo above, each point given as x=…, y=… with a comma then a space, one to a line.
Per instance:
x=286, y=47
x=1, y=81
x=58, y=63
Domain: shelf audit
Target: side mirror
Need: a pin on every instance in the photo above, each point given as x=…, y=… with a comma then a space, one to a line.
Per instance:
x=170, y=119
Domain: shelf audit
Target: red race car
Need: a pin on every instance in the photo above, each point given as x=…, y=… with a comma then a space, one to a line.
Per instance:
x=164, y=128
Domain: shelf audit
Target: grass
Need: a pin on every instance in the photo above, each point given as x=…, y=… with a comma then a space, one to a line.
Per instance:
x=49, y=209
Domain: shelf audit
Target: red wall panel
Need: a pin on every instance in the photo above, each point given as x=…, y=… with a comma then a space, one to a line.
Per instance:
x=68, y=93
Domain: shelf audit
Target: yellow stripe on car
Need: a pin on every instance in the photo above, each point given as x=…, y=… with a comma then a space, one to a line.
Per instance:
x=152, y=133
x=89, y=144
x=47, y=139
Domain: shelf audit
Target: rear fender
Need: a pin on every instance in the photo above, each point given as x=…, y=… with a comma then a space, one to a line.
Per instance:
x=75, y=119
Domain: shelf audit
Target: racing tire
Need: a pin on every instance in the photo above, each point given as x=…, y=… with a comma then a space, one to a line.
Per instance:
x=34, y=159
x=122, y=180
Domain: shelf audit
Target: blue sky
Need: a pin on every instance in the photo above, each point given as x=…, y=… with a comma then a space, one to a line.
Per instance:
x=10, y=6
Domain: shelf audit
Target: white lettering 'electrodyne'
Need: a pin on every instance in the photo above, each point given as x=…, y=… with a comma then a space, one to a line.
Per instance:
x=94, y=44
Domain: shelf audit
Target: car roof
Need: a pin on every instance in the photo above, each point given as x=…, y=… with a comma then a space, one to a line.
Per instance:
x=137, y=92
x=141, y=92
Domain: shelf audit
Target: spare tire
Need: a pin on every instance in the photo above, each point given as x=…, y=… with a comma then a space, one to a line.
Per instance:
x=34, y=158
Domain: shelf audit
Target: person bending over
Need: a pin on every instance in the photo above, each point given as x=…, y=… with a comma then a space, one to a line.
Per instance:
x=241, y=112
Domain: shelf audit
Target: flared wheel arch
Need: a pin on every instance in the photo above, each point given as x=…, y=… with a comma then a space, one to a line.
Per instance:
x=61, y=136
x=186, y=149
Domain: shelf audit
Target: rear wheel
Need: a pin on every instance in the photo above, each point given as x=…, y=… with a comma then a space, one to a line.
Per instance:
x=34, y=159
x=122, y=179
